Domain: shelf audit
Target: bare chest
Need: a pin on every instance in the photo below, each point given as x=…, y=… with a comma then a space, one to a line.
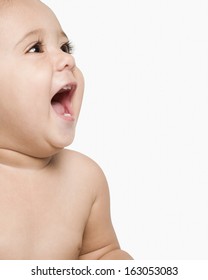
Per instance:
x=41, y=223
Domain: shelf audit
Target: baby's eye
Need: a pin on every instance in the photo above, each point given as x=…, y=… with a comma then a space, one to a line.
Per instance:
x=36, y=48
x=67, y=48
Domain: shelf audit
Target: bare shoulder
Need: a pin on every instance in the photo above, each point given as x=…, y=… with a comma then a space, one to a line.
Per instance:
x=81, y=162
x=82, y=167
x=89, y=187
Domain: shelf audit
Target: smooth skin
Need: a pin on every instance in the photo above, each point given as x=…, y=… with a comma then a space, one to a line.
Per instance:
x=54, y=203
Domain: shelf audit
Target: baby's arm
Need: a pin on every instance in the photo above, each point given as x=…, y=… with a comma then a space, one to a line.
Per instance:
x=99, y=240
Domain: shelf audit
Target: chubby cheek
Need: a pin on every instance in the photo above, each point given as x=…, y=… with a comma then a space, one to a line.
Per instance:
x=32, y=94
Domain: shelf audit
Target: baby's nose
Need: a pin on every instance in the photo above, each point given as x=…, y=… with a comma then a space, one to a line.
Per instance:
x=64, y=61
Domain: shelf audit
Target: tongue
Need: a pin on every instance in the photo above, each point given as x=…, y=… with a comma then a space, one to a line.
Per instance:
x=58, y=107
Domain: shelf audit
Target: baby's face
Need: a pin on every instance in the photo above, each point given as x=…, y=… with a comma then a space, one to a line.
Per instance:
x=40, y=86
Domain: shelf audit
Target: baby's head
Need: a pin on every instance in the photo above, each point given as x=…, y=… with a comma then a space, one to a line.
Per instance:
x=40, y=86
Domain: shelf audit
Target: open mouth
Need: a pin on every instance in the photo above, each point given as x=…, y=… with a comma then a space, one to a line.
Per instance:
x=62, y=102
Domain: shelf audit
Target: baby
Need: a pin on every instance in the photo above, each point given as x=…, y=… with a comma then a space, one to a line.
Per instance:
x=54, y=203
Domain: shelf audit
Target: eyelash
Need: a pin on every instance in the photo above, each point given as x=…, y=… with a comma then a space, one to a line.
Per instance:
x=66, y=47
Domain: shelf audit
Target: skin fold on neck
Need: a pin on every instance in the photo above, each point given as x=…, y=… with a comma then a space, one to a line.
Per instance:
x=18, y=160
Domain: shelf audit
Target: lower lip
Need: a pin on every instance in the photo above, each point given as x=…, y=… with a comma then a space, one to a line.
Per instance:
x=68, y=117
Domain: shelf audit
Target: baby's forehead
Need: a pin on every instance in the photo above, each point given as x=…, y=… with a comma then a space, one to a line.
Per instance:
x=26, y=16
x=8, y=4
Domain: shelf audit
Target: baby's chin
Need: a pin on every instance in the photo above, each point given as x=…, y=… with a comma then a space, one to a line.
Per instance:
x=59, y=145
x=63, y=140
x=48, y=149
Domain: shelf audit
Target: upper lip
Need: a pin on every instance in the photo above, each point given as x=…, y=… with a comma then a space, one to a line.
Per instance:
x=68, y=87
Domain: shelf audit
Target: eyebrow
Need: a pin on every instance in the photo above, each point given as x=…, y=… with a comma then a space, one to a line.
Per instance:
x=35, y=32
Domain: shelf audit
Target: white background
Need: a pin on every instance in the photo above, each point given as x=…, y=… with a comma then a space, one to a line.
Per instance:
x=144, y=117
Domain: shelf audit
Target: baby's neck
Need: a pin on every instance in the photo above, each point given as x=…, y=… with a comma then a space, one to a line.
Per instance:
x=18, y=160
